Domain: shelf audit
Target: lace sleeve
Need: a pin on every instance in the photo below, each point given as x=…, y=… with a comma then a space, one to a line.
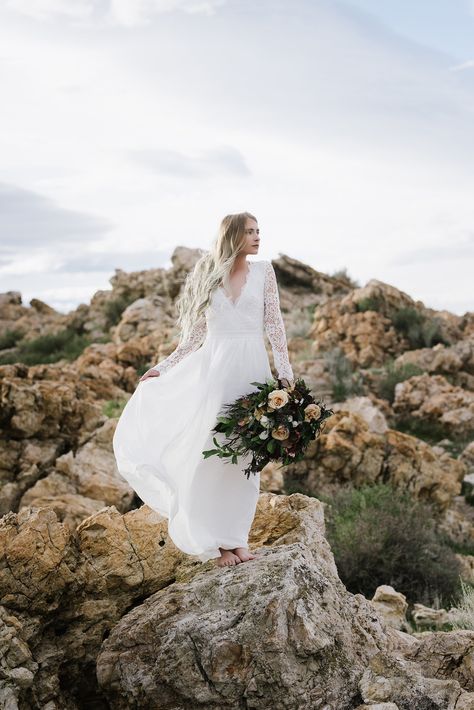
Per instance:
x=193, y=342
x=273, y=323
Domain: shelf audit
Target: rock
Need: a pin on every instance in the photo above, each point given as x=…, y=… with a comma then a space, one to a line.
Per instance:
x=431, y=398
x=347, y=451
x=467, y=457
x=456, y=361
x=457, y=522
x=426, y=616
x=402, y=683
x=33, y=321
x=446, y=655
x=47, y=409
x=364, y=406
x=140, y=318
x=228, y=637
x=10, y=298
x=84, y=482
x=392, y=606
x=168, y=631
x=22, y=463
x=271, y=478
x=361, y=324
x=468, y=488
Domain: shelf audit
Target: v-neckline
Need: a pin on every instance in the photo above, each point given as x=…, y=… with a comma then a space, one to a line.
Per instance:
x=228, y=298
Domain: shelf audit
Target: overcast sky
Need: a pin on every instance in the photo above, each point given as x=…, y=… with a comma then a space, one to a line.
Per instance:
x=128, y=127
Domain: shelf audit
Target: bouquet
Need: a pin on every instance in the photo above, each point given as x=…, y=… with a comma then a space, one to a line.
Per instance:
x=274, y=423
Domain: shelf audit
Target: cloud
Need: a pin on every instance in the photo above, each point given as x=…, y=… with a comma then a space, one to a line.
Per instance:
x=128, y=13
x=216, y=162
x=29, y=220
x=106, y=262
x=465, y=65
x=461, y=248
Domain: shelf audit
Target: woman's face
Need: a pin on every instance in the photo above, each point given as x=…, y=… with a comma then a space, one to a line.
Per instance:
x=252, y=236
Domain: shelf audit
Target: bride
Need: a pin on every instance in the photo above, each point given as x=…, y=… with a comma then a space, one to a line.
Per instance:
x=226, y=306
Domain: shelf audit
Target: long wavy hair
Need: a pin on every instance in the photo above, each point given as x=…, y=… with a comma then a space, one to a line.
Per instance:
x=211, y=270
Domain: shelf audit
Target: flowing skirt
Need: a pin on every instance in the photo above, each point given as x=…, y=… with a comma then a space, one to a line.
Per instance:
x=166, y=425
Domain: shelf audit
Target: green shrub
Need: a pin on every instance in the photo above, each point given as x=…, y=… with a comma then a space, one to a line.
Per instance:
x=10, y=337
x=371, y=303
x=115, y=307
x=114, y=408
x=379, y=535
x=393, y=375
x=342, y=275
x=429, y=430
x=49, y=348
x=141, y=369
x=345, y=381
x=420, y=331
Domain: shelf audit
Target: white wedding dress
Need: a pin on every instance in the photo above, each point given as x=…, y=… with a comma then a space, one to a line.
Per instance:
x=167, y=422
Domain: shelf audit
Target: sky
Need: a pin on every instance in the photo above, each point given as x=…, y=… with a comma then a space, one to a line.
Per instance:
x=130, y=127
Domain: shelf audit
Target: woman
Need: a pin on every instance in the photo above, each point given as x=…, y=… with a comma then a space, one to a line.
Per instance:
x=225, y=307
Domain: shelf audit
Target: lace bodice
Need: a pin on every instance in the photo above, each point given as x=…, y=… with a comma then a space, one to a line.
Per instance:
x=256, y=310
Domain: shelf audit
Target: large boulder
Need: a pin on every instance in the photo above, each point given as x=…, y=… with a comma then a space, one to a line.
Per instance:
x=112, y=613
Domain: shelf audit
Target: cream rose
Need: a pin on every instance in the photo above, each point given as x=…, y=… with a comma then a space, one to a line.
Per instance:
x=281, y=432
x=312, y=411
x=277, y=399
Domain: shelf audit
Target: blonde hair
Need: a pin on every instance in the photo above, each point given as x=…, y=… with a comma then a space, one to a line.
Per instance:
x=210, y=271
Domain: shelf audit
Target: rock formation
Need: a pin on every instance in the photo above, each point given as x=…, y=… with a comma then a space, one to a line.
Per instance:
x=98, y=608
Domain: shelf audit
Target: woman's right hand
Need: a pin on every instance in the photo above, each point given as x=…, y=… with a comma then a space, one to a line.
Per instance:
x=149, y=373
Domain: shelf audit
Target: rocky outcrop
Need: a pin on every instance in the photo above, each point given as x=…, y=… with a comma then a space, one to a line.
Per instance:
x=113, y=610
x=30, y=321
x=361, y=323
x=454, y=361
x=349, y=451
x=82, y=483
x=145, y=299
x=432, y=399
x=41, y=419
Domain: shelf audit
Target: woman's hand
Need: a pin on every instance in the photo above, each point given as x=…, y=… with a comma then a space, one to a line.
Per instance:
x=149, y=373
x=287, y=383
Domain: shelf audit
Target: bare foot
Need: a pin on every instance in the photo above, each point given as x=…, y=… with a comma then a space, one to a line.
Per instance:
x=227, y=558
x=244, y=554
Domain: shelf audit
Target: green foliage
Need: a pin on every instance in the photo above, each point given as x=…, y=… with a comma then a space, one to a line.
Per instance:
x=343, y=275
x=345, y=381
x=10, y=337
x=371, y=303
x=49, y=348
x=420, y=331
x=114, y=408
x=141, y=369
x=251, y=425
x=393, y=375
x=429, y=430
x=379, y=535
x=115, y=307
x=461, y=548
